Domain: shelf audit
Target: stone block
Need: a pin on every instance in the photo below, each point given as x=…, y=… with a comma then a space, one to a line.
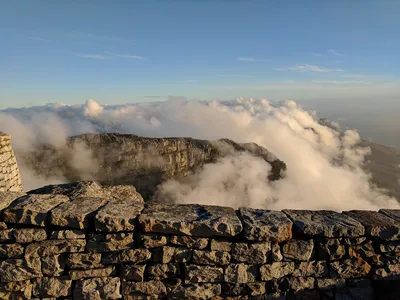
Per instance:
x=168, y=254
x=53, y=247
x=134, y=256
x=196, y=291
x=276, y=270
x=92, y=273
x=350, y=268
x=203, y=274
x=164, y=271
x=189, y=242
x=203, y=257
x=29, y=235
x=53, y=265
x=98, y=288
x=51, y=287
x=155, y=289
x=20, y=269
x=109, y=242
x=67, y=235
x=84, y=261
x=252, y=254
x=240, y=273
x=152, y=240
x=298, y=250
x=133, y=272
x=11, y=250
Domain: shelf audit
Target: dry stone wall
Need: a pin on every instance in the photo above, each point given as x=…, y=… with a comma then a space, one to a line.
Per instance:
x=82, y=246
x=10, y=179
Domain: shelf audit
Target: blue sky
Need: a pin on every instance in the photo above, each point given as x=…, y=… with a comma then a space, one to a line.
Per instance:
x=125, y=51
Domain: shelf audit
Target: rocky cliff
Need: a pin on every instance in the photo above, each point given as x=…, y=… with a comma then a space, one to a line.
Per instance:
x=10, y=179
x=86, y=241
x=139, y=161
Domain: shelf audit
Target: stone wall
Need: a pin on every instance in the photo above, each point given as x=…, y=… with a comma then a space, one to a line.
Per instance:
x=88, y=246
x=10, y=179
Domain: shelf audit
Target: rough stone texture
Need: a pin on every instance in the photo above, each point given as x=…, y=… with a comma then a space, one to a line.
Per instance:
x=349, y=268
x=193, y=220
x=377, y=224
x=251, y=253
x=189, y=242
x=98, y=288
x=53, y=265
x=128, y=255
x=67, y=235
x=201, y=274
x=134, y=272
x=16, y=290
x=153, y=240
x=311, y=269
x=118, y=215
x=330, y=249
x=33, y=209
x=172, y=254
x=265, y=225
x=276, y=253
x=51, y=287
x=276, y=270
x=298, y=250
x=7, y=197
x=6, y=235
x=154, y=288
x=221, y=245
x=29, y=235
x=324, y=223
x=196, y=291
x=109, y=242
x=201, y=257
x=164, y=271
x=20, y=269
x=10, y=178
x=103, y=272
x=84, y=260
x=11, y=251
x=392, y=213
x=77, y=213
x=390, y=247
x=52, y=247
x=240, y=273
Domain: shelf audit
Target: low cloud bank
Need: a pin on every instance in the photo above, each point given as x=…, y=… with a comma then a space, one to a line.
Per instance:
x=324, y=166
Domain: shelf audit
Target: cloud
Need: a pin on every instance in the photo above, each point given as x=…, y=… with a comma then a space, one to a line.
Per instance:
x=324, y=167
x=309, y=68
x=129, y=56
x=353, y=75
x=39, y=39
x=250, y=59
x=331, y=51
x=340, y=82
x=317, y=54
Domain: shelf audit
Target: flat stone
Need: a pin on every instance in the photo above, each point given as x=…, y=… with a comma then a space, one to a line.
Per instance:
x=11, y=250
x=265, y=225
x=67, y=235
x=391, y=213
x=109, y=242
x=196, y=291
x=252, y=254
x=330, y=249
x=133, y=272
x=51, y=287
x=240, y=273
x=16, y=290
x=164, y=271
x=52, y=247
x=91, y=273
x=20, y=269
x=221, y=245
x=84, y=261
x=135, y=256
x=98, y=288
x=118, y=215
x=154, y=288
x=350, y=268
x=6, y=235
x=33, y=209
x=311, y=269
x=191, y=219
x=189, y=242
x=201, y=257
x=152, y=240
x=6, y=198
x=168, y=254
x=298, y=250
x=377, y=224
x=276, y=270
x=324, y=223
x=202, y=274
x=78, y=213
x=29, y=235
x=53, y=265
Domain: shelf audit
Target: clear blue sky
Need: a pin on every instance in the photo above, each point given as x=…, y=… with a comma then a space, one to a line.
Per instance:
x=124, y=51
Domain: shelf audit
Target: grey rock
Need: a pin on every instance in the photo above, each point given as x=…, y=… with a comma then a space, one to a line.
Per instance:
x=164, y=271
x=78, y=213
x=252, y=254
x=276, y=253
x=265, y=225
x=109, y=242
x=16, y=290
x=220, y=245
x=67, y=235
x=8, y=197
x=20, y=269
x=189, y=242
x=153, y=240
x=201, y=274
x=33, y=209
x=11, y=250
x=92, y=273
x=52, y=247
x=377, y=224
x=240, y=273
x=298, y=250
x=98, y=288
x=330, y=249
x=132, y=272
x=324, y=223
x=311, y=269
x=29, y=235
x=349, y=268
x=202, y=257
x=51, y=287
x=196, y=291
x=127, y=256
x=6, y=235
x=276, y=270
x=168, y=254
x=53, y=265
x=118, y=215
x=84, y=261
x=153, y=288
x=190, y=219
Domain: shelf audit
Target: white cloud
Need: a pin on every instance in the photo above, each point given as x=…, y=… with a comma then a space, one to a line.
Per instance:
x=39, y=39
x=353, y=75
x=331, y=51
x=310, y=68
x=340, y=82
x=130, y=56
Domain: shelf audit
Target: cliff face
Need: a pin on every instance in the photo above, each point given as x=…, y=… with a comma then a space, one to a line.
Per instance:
x=139, y=161
x=10, y=179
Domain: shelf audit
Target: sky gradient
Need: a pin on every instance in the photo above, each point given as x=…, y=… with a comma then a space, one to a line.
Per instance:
x=126, y=51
